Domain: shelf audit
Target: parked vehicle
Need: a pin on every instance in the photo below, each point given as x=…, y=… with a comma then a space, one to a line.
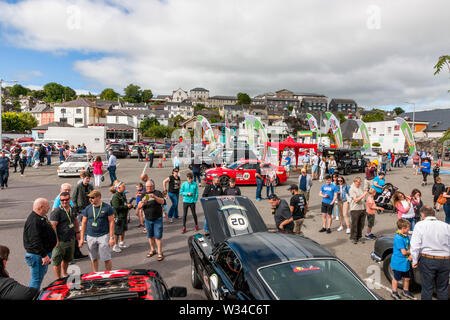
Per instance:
x=347, y=160
x=120, y=150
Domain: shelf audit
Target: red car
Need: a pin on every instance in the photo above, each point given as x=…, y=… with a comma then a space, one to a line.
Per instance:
x=244, y=171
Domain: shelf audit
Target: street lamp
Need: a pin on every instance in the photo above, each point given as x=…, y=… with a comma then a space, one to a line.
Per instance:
x=1, y=84
x=414, y=116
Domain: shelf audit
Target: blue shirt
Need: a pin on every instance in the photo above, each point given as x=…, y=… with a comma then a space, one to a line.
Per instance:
x=101, y=219
x=80, y=150
x=329, y=190
x=381, y=183
x=288, y=160
x=112, y=161
x=399, y=262
x=4, y=163
x=303, y=183
x=29, y=151
x=427, y=167
x=57, y=202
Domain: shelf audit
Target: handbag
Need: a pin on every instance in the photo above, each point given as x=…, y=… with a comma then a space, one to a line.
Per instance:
x=102, y=178
x=442, y=199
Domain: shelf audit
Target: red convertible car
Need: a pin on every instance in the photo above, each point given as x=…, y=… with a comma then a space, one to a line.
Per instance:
x=244, y=171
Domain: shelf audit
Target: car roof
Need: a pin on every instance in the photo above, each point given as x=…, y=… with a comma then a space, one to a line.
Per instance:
x=274, y=247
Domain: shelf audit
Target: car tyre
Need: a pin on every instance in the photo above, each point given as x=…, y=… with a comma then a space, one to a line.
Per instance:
x=224, y=181
x=347, y=170
x=196, y=284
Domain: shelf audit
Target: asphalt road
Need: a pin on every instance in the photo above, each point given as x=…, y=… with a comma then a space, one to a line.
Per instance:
x=16, y=204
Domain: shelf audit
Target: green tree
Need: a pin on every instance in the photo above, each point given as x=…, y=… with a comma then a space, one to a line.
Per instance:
x=290, y=108
x=69, y=94
x=176, y=120
x=54, y=92
x=17, y=90
x=159, y=131
x=341, y=117
x=28, y=120
x=146, y=96
x=148, y=123
x=398, y=111
x=376, y=144
x=355, y=144
x=109, y=94
x=18, y=122
x=133, y=93
x=199, y=106
x=38, y=94
x=378, y=115
x=16, y=105
x=443, y=61
x=445, y=137
x=243, y=98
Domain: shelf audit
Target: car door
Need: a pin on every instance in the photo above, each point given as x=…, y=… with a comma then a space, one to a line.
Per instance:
x=249, y=172
x=227, y=268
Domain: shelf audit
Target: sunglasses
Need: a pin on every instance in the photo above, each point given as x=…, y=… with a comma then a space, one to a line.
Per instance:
x=90, y=198
x=63, y=200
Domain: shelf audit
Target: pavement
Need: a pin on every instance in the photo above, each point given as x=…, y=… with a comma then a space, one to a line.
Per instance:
x=16, y=204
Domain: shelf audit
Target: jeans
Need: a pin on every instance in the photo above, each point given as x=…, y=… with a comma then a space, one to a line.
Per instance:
x=173, y=211
x=197, y=175
x=154, y=228
x=49, y=160
x=383, y=167
x=151, y=156
x=331, y=171
x=270, y=188
x=412, y=221
x=259, y=185
x=29, y=161
x=186, y=206
x=434, y=272
x=61, y=160
x=447, y=213
x=2, y=177
x=38, y=271
x=112, y=174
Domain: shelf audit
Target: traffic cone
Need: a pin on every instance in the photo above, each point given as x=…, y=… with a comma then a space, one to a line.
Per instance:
x=164, y=156
x=160, y=164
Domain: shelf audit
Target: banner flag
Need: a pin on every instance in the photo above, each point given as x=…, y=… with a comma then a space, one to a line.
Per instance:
x=208, y=132
x=364, y=134
x=404, y=126
x=335, y=126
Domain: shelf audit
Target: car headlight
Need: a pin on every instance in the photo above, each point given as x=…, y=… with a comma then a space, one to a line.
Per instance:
x=212, y=174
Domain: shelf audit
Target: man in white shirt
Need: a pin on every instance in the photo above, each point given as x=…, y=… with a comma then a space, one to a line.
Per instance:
x=314, y=166
x=430, y=251
x=112, y=164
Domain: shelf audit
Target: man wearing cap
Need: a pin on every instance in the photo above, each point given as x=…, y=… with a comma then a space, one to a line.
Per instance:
x=298, y=208
x=98, y=224
x=304, y=184
x=282, y=214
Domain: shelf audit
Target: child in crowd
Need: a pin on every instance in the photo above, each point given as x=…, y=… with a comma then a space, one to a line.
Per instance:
x=287, y=164
x=139, y=194
x=438, y=189
x=323, y=167
x=400, y=261
x=436, y=170
x=165, y=209
x=371, y=209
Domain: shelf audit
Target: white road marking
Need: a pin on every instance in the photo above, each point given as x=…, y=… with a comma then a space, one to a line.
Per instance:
x=13, y=220
x=145, y=167
x=378, y=284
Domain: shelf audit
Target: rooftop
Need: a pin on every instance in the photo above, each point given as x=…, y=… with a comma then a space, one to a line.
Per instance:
x=438, y=119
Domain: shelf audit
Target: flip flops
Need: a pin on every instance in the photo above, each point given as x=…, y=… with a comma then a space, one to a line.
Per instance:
x=151, y=254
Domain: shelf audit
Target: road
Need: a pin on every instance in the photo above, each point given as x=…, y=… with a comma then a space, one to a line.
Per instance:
x=16, y=204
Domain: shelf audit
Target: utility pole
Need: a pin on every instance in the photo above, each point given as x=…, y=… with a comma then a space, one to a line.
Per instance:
x=1, y=117
x=414, y=117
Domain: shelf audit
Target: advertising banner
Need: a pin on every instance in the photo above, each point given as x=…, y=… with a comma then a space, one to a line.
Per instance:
x=364, y=134
x=208, y=132
x=335, y=127
x=404, y=127
x=313, y=126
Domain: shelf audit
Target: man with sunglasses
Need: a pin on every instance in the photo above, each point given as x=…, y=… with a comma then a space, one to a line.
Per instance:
x=65, y=224
x=98, y=224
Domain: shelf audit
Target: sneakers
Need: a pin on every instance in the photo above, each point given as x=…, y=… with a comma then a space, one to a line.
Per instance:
x=196, y=228
x=408, y=295
x=340, y=228
x=322, y=230
x=183, y=230
x=371, y=236
x=337, y=218
x=396, y=296
x=328, y=230
x=116, y=248
x=355, y=241
x=347, y=231
x=257, y=199
x=123, y=245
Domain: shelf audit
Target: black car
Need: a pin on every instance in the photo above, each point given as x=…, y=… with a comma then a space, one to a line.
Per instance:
x=383, y=248
x=112, y=285
x=240, y=259
x=120, y=150
x=347, y=160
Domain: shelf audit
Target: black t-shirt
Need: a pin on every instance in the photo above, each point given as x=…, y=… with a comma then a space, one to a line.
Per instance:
x=152, y=209
x=174, y=184
x=233, y=191
x=258, y=170
x=282, y=213
x=65, y=228
x=298, y=201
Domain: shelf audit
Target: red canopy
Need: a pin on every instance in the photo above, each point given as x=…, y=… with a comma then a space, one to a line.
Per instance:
x=291, y=143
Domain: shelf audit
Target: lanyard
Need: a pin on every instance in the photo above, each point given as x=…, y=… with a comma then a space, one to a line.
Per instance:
x=68, y=214
x=98, y=212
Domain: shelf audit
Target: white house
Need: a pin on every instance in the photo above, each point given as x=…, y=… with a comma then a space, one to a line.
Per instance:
x=199, y=94
x=82, y=112
x=387, y=134
x=179, y=95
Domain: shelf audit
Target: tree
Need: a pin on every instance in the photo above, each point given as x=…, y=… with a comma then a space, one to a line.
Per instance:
x=69, y=94
x=443, y=61
x=159, y=131
x=176, y=120
x=376, y=144
x=18, y=122
x=372, y=117
x=243, y=98
x=16, y=106
x=146, y=95
x=398, y=111
x=355, y=144
x=341, y=117
x=17, y=90
x=109, y=94
x=445, y=137
x=133, y=93
x=148, y=123
x=38, y=94
x=54, y=92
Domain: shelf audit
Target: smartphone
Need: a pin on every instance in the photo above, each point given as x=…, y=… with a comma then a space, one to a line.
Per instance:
x=147, y=197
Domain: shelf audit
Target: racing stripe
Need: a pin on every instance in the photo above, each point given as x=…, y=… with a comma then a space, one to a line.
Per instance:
x=300, y=249
x=275, y=250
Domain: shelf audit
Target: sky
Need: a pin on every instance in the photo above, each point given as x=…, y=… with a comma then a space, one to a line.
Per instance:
x=380, y=53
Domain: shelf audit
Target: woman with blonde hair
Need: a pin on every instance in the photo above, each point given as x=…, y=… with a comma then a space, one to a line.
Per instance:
x=331, y=166
x=405, y=209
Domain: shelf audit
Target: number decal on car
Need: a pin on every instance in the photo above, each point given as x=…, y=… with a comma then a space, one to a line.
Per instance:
x=246, y=176
x=237, y=222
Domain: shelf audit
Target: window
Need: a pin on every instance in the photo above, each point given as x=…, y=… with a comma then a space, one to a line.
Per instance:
x=374, y=130
x=227, y=260
x=78, y=111
x=389, y=130
x=78, y=120
x=63, y=110
x=63, y=120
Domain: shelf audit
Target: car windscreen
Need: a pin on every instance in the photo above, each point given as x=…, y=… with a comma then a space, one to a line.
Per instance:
x=233, y=165
x=321, y=279
x=77, y=158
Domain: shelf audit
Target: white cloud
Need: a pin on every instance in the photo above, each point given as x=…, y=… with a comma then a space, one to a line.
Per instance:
x=244, y=45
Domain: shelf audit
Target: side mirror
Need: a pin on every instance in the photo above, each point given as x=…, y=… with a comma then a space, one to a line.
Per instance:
x=177, y=292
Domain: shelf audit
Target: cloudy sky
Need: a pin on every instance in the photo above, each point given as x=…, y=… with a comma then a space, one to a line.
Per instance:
x=380, y=53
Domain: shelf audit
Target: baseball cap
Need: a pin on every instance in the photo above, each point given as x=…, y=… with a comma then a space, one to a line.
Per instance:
x=293, y=187
x=95, y=194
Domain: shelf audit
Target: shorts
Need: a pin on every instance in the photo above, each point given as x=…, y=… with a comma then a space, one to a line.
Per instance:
x=99, y=248
x=154, y=228
x=399, y=275
x=287, y=167
x=416, y=163
x=370, y=220
x=120, y=226
x=314, y=168
x=305, y=193
x=63, y=252
x=327, y=208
